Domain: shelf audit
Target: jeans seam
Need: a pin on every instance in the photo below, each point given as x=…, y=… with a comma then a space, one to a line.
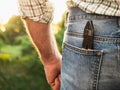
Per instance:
x=91, y=16
x=96, y=38
x=96, y=72
x=82, y=51
x=118, y=65
x=99, y=70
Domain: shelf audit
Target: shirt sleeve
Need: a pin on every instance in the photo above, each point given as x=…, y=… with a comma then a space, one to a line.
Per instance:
x=37, y=10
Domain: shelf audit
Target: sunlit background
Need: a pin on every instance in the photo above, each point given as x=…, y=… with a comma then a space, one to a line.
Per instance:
x=20, y=66
x=9, y=8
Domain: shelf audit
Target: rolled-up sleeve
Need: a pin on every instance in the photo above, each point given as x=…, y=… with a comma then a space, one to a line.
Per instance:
x=37, y=10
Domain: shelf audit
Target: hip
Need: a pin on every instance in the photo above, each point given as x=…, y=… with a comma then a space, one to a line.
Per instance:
x=91, y=69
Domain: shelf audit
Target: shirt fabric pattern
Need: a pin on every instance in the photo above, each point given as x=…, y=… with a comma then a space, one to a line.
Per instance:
x=42, y=10
x=37, y=10
x=104, y=7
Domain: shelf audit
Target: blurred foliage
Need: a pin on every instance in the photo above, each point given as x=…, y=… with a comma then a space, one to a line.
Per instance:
x=60, y=28
x=20, y=67
x=22, y=75
x=4, y=57
x=14, y=28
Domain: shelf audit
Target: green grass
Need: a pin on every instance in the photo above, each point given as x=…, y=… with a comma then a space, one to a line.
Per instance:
x=22, y=75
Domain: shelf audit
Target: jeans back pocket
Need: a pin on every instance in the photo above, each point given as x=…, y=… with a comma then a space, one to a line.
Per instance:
x=81, y=66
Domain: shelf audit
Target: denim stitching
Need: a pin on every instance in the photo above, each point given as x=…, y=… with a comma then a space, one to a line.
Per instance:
x=96, y=64
x=99, y=70
x=90, y=16
x=96, y=72
x=82, y=51
x=94, y=75
x=118, y=65
x=97, y=38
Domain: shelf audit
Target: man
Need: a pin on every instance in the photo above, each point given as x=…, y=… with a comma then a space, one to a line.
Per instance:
x=83, y=67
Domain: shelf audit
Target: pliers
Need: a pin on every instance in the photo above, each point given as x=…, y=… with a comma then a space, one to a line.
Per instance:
x=88, y=36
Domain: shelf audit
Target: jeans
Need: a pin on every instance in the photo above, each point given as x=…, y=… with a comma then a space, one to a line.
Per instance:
x=91, y=69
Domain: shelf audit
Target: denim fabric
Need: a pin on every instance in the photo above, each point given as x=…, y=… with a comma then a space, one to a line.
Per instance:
x=96, y=69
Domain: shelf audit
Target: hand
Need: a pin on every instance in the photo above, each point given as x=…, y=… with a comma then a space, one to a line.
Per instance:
x=52, y=71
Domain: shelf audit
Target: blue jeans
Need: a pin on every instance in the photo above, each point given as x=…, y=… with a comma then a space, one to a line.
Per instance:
x=95, y=69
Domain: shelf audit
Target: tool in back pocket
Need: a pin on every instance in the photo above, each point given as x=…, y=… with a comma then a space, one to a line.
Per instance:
x=88, y=36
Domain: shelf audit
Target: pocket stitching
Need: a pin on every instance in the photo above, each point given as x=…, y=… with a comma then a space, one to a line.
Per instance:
x=82, y=51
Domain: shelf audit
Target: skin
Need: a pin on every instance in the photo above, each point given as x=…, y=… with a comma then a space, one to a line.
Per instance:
x=43, y=40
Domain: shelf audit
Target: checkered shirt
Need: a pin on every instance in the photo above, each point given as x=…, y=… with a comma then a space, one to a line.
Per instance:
x=37, y=10
x=104, y=7
x=42, y=10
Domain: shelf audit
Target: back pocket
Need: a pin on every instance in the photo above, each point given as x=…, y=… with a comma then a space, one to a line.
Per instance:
x=82, y=66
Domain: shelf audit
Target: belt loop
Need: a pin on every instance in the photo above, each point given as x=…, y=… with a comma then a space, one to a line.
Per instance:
x=119, y=22
x=66, y=18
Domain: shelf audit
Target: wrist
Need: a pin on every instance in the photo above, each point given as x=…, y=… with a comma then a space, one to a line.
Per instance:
x=52, y=59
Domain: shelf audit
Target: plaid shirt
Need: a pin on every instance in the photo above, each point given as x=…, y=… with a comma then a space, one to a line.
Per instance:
x=42, y=10
x=37, y=10
x=104, y=7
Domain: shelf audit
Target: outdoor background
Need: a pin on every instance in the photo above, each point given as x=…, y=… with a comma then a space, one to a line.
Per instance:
x=20, y=67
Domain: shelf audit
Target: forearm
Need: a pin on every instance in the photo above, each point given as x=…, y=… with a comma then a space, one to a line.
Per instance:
x=43, y=40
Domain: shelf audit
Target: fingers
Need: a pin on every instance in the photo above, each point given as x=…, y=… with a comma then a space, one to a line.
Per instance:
x=57, y=84
x=53, y=75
